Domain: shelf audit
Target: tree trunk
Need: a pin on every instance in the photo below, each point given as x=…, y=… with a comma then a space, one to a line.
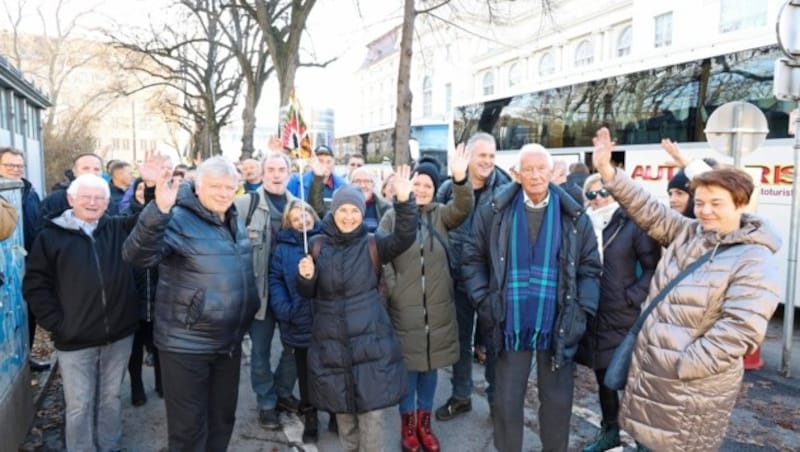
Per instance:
x=402, y=126
x=248, y=123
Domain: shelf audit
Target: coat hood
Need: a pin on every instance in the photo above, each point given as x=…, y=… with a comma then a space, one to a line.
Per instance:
x=293, y=237
x=330, y=229
x=505, y=195
x=754, y=230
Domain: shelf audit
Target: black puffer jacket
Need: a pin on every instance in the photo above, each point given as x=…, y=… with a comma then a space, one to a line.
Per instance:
x=354, y=361
x=460, y=235
x=78, y=287
x=485, y=266
x=622, y=292
x=206, y=296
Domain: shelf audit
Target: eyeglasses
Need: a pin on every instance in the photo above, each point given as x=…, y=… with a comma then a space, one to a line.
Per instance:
x=362, y=181
x=95, y=199
x=13, y=166
x=591, y=195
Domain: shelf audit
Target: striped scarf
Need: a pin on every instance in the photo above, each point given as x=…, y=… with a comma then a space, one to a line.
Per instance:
x=532, y=278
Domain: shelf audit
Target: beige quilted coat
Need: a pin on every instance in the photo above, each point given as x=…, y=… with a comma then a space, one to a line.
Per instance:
x=687, y=365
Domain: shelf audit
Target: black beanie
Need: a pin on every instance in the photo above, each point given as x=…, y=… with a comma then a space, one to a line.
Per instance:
x=679, y=181
x=349, y=195
x=430, y=170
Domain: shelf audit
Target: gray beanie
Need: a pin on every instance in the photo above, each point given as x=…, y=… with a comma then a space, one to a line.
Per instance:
x=349, y=195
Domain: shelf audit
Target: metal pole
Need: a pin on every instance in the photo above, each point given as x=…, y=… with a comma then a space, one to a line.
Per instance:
x=788, y=306
x=736, y=136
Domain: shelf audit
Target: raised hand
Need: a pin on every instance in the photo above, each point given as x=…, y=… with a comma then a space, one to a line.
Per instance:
x=274, y=144
x=306, y=267
x=166, y=192
x=317, y=167
x=601, y=157
x=458, y=162
x=678, y=159
x=403, y=183
x=155, y=167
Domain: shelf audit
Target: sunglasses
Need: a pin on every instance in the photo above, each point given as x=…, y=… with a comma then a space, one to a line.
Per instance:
x=591, y=195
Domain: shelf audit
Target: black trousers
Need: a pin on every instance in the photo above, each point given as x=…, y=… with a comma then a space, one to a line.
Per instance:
x=555, y=400
x=143, y=339
x=200, y=392
x=301, y=363
x=609, y=400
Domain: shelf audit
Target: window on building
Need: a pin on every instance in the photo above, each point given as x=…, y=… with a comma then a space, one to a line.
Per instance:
x=624, y=42
x=663, y=26
x=427, y=96
x=448, y=97
x=547, y=65
x=741, y=14
x=514, y=75
x=488, y=83
x=21, y=120
x=3, y=109
x=584, y=53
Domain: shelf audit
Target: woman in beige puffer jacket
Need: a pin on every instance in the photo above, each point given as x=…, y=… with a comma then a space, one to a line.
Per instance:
x=687, y=365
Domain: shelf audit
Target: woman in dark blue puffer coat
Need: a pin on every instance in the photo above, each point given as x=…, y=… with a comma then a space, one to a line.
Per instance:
x=293, y=311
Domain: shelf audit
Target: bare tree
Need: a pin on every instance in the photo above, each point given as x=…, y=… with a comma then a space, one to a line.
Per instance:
x=55, y=60
x=404, y=97
x=187, y=56
x=282, y=23
x=246, y=41
x=402, y=130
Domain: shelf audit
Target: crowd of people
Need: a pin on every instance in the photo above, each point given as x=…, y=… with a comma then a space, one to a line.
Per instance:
x=374, y=285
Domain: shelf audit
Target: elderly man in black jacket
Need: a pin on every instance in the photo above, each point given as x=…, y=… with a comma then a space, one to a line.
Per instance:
x=485, y=179
x=83, y=293
x=205, y=301
x=532, y=270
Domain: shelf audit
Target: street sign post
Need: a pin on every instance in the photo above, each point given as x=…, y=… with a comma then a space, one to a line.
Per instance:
x=787, y=87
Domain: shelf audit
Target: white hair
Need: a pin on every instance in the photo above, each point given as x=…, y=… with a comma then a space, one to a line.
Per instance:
x=534, y=148
x=277, y=156
x=217, y=166
x=89, y=181
x=480, y=136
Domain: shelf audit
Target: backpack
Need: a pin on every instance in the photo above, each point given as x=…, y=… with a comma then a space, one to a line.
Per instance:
x=316, y=247
x=254, y=198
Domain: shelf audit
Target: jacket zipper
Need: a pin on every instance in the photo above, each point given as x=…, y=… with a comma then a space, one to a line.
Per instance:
x=424, y=296
x=147, y=294
x=102, y=289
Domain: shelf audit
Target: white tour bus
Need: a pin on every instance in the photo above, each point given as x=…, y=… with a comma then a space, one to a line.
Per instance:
x=641, y=108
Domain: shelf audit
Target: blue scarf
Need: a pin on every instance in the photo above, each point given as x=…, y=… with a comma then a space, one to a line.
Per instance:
x=532, y=278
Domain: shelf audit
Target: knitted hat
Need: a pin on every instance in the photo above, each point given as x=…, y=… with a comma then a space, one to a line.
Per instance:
x=679, y=181
x=349, y=195
x=430, y=170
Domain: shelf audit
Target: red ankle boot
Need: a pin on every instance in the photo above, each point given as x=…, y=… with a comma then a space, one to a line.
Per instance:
x=427, y=439
x=408, y=434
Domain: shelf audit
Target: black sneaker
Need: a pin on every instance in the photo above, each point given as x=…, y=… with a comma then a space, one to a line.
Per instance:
x=288, y=404
x=453, y=408
x=269, y=419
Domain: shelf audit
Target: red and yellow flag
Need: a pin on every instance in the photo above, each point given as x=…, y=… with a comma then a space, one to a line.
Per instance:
x=294, y=133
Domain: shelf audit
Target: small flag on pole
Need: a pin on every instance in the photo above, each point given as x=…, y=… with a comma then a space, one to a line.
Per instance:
x=294, y=135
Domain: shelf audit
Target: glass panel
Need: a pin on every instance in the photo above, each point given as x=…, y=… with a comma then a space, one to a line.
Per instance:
x=547, y=65
x=663, y=26
x=624, y=42
x=584, y=53
x=640, y=108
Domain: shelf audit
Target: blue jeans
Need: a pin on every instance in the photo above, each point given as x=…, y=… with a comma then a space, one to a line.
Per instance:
x=421, y=387
x=462, y=369
x=92, y=380
x=268, y=386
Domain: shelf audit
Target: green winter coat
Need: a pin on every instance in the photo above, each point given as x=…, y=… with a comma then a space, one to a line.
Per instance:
x=420, y=287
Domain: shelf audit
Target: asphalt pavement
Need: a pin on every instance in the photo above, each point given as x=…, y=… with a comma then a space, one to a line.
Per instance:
x=766, y=418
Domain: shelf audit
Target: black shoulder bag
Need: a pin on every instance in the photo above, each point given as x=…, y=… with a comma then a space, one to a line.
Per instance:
x=617, y=371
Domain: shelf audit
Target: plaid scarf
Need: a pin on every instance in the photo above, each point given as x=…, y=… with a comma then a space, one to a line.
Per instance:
x=532, y=278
